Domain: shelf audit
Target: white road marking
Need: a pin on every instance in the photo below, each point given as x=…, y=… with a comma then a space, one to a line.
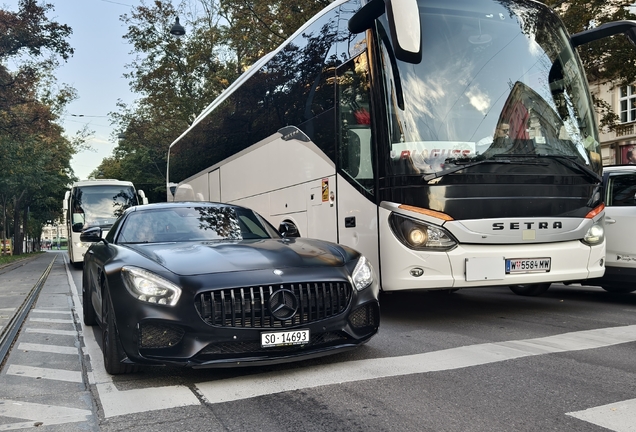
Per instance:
x=619, y=416
x=45, y=373
x=53, y=311
x=51, y=331
x=269, y=383
x=52, y=320
x=47, y=414
x=56, y=349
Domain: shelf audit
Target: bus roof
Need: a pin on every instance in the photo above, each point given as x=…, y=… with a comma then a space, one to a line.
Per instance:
x=101, y=182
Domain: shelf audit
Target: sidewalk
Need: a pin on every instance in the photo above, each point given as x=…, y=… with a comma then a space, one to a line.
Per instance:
x=43, y=382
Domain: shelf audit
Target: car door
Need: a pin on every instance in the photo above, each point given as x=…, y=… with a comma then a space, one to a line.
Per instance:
x=620, y=219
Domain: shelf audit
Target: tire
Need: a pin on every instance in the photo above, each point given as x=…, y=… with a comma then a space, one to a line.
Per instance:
x=87, y=304
x=111, y=345
x=529, y=290
x=618, y=289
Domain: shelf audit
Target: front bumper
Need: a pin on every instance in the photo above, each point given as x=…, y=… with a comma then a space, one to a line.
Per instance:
x=154, y=334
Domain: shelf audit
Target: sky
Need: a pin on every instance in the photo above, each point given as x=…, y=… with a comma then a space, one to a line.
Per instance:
x=95, y=71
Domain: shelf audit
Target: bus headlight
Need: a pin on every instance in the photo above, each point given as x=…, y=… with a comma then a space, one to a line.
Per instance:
x=595, y=235
x=149, y=287
x=419, y=235
x=362, y=274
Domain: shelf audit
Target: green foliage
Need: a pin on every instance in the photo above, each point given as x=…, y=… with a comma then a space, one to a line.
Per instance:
x=34, y=155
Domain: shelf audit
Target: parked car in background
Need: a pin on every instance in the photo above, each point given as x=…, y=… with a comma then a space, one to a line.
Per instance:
x=212, y=285
x=619, y=189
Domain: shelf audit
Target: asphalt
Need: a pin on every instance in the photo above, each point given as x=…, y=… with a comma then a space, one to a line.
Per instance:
x=43, y=381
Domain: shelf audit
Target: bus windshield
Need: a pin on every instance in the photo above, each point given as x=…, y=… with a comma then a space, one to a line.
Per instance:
x=99, y=205
x=497, y=80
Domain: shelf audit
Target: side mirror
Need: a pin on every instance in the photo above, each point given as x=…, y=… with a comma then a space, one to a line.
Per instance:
x=142, y=196
x=91, y=235
x=65, y=202
x=628, y=28
x=404, y=25
x=287, y=229
x=77, y=227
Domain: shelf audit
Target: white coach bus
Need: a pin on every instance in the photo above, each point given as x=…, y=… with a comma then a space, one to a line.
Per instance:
x=452, y=142
x=96, y=203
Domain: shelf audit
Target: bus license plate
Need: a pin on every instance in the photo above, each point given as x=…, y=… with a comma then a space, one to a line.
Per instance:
x=528, y=265
x=292, y=337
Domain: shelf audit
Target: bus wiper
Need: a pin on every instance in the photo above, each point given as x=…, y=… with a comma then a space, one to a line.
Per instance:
x=571, y=162
x=495, y=159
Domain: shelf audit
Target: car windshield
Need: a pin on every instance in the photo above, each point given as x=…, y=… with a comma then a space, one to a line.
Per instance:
x=178, y=224
x=496, y=78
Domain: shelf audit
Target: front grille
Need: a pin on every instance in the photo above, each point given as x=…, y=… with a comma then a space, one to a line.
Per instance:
x=249, y=306
x=152, y=335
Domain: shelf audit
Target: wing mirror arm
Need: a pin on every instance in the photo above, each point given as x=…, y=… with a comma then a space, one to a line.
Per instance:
x=628, y=28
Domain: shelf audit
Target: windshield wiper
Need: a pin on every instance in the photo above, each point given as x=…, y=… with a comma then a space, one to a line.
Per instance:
x=495, y=159
x=572, y=162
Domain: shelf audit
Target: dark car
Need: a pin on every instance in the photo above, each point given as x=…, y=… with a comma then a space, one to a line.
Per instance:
x=214, y=285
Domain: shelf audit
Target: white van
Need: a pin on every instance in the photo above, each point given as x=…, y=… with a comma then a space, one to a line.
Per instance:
x=619, y=189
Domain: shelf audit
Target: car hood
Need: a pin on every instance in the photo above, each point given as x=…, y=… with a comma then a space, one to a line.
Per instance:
x=194, y=258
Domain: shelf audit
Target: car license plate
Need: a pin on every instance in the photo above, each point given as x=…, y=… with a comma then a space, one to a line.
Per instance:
x=292, y=337
x=528, y=265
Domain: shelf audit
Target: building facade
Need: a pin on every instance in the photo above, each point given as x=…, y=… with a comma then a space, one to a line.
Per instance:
x=619, y=145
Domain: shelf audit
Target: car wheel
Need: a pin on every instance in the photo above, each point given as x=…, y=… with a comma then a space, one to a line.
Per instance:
x=618, y=289
x=111, y=346
x=87, y=305
x=529, y=290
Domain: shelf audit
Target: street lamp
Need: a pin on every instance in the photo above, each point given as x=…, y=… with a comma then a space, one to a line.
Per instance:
x=177, y=29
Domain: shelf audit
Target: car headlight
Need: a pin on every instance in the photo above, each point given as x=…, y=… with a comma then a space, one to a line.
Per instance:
x=362, y=274
x=149, y=287
x=419, y=235
x=595, y=235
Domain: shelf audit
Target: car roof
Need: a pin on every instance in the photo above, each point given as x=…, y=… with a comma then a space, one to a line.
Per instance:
x=179, y=204
x=619, y=168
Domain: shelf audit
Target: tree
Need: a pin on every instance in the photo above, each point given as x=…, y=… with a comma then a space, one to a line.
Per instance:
x=609, y=60
x=34, y=155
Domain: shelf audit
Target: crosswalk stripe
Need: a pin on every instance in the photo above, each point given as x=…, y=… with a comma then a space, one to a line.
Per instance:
x=45, y=373
x=51, y=320
x=53, y=311
x=47, y=414
x=51, y=331
x=618, y=416
x=474, y=355
x=56, y=349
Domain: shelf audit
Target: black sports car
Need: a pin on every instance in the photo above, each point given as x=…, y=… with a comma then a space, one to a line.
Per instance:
x=212, y=285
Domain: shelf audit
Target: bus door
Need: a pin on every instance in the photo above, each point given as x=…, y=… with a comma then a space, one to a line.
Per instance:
x=357, y=211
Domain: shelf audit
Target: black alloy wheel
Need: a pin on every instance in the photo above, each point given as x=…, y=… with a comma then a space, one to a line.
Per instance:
x=88, y=311
x=111, y=346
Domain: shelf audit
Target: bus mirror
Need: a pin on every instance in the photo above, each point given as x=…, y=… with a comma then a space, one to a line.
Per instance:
x=67, y=195
x=406, y=30
x=628, y=28
x=142, y=196
x=404, y=26
x=77, y=227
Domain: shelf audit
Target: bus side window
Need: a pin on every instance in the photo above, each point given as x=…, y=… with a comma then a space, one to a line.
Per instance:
x=354, y=122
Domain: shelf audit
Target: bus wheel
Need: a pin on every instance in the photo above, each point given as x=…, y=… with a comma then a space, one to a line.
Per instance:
x=529, y=290
x=619, y=289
